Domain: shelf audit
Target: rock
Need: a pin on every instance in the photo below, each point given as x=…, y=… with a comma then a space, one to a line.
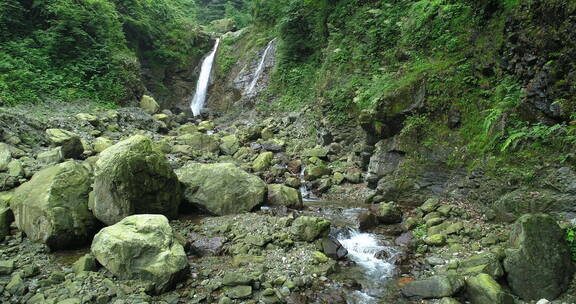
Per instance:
x=263, y=161
x=131, y=177
x=5, y=156
x=320, y=152
x=234, y=278
x=430, y=205
x=205, y=125
x=221, y=188
x=85, y=263
x=229, y=145
x=93, y=120
x=208, y=246
x=267, y=133
x=149, y=105
x=280, y=195
x=483, y=289
x=338, y=178
x=389, y=213
x=6, y=267
x=487, y=263
x=319, y=257
x=199, y=142
x=239, y=292
x=15, y=168
x=6, y=214
x=435, y=240
x=367, y=221
x=538, y=263
x=308, y=228
x=434, y=287
x=52, y=208
x=102, y=143
x=449, y=301
x=333, y=249
x=16, y=285
x=313, y=172
x=142, y=247
x=50, y=157
x=69, y=142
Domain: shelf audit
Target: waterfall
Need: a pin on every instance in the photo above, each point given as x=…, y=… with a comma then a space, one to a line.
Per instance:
x=260, y=68
x=203, y=81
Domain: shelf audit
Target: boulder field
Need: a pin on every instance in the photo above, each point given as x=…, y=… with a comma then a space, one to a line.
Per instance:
x=156, y=209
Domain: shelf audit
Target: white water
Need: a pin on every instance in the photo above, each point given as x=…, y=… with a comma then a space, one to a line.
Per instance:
x=260, y=68
x=197, y=104
x=362, y=249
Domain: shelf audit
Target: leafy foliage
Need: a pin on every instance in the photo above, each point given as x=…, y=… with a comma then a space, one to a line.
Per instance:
x=74, y=49
x=571, y=240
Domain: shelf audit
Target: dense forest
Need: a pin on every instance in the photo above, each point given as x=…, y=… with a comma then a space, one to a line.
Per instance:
x=293, y=151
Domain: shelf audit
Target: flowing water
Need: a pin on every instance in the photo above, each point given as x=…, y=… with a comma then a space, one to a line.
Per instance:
x=260, y=68
x=197, y=104
x=373, y=255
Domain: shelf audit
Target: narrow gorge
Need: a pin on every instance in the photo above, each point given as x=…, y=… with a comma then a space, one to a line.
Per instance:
x=287, y=152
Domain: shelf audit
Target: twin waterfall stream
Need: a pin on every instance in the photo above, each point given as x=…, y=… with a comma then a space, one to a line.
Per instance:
x=371, y=271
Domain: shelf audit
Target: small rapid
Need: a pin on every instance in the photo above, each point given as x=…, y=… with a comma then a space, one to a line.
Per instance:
x=197, y=104
x=376, y=262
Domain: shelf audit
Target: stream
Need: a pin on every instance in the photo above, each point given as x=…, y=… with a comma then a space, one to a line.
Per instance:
x=373, y=256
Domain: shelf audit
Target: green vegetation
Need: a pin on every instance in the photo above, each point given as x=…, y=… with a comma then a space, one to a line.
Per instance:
x=420, y=231
x=571, y=240
x=89, y=49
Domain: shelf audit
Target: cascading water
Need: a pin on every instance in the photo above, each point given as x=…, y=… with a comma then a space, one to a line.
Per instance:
x=260, y=68
x=364, y=249
x=197, y=104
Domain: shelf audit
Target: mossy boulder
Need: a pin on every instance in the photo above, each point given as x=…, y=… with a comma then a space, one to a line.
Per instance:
x=52, y=207
x=142, y=247
x=222, y=188
x=69, y=142
x=389, y=213
x=483, y=289
x=487, y=263
x=149, y=105
x=314, y=172
x=434, y=287
x=102, y=143
x=280, y=195
x=263, y=161
x=229, y=144
x=309, y=228
x=538, y=263
x=132, y=177
x=199, y=142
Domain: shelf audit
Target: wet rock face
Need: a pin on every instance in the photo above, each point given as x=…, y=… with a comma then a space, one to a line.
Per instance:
x=544, y=62
x=142, y=247
x=222, y=188
x=131, y=177
x=52, y=208
x=333, y=249
x=538, y=263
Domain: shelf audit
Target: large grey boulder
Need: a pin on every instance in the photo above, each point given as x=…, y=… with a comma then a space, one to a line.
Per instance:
x=221, y=188
x=132, y=177
x=142, y=247
x=69, y=142
x=538, y=262
x=52, y=208
x=434, y=287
